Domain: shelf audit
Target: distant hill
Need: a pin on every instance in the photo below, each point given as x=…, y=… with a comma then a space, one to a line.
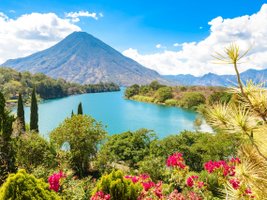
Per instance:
x=82, y=58
x=13, y=82
x=211, y=79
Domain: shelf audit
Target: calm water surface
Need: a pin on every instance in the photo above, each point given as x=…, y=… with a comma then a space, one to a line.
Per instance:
x=118, y=114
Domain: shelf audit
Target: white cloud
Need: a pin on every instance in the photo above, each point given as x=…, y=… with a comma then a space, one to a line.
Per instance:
x=30, y=33
x=195, y=57
x=75, y=16
x=158, y=46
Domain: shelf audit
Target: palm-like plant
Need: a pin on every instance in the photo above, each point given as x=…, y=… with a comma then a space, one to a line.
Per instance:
x=247, y=116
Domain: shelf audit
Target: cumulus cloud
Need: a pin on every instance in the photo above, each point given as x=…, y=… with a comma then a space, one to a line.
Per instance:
x=196, y=57
x=75, y=16
x=158, y=46
x=30, y=33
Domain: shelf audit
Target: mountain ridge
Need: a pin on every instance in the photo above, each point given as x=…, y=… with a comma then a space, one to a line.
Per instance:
x=83, y=58
x=211, y=79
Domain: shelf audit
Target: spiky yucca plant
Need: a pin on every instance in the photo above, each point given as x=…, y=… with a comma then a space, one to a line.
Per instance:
x=247, y=116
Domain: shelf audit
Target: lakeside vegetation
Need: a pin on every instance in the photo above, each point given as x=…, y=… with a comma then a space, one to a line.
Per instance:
x=12, y=83
x=80, y=161
x=189, y=97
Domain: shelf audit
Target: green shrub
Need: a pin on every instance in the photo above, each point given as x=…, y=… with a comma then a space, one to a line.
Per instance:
x=191, y=100
x=163, y=94
x=220, y=97
x=171, y=102
x=143, y=98
x=118, y=187
x=23, y=186
x=33, y=151
x=128, y=147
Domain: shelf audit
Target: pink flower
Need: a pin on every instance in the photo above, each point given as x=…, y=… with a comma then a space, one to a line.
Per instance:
x=176, y=160
x=100, y=195
x=212, y=166
x=190, y=181
x=235, y=183
x=148, y=185
x=134, y=179
x=54, y=181
x=200, y=184
x=248, y=191
x=235, y=160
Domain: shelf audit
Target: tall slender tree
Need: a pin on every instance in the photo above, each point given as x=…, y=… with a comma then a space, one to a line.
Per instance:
x=80, y=109
x=7, y=153
x=72, y=114
x=20, y=114
x=34, y=113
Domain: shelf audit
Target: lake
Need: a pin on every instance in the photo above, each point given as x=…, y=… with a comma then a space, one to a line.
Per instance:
x=117, y=113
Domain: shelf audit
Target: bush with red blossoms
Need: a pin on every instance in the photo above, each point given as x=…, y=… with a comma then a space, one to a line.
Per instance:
x=235, y=183
x=100, y=195
x=54, y=181
x=150, y=189
x=176, y=160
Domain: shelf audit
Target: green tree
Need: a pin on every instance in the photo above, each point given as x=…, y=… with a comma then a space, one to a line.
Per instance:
x=191, y=100
x=131, y=91
x=164, y=93
x=129, y=147
x=34, y=113
x=20, y=113
x=7, y=153
x=72, y=113
x=83, y=134
x=155, y=85
x=80, y=109
x=23, y=186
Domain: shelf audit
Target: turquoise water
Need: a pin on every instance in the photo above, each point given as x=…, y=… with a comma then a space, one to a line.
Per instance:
x=118, y=114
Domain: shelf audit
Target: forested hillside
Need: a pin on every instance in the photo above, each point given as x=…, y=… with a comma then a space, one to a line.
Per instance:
x=12, y=83
x=189, y=97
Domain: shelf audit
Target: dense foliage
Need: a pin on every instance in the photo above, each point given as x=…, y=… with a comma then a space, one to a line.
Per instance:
x=190, y=97
x=33, y=151
x=81, y=134
x=23, y=186
x=12, y=83
x=7, y=152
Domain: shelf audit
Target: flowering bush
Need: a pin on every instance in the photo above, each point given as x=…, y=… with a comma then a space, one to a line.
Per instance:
x=176, y=160
x=150, y=189
x=54, y=181
x=100, y=195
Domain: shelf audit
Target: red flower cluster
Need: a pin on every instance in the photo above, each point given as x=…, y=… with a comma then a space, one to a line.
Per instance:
x=176, y=160
x=235, y=183
x=147, y=184
x=192, y=180
x=212, y=166
x=235, y=160
x=100, y=195
x=54, y=181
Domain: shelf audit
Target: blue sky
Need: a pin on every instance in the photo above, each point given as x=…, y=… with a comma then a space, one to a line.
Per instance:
x=146, y=30
x=141, y=24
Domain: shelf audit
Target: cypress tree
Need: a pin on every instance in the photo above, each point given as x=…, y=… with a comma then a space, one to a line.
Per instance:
x=7, y=153
x=80, y=109
x=20, y=113
x=72, y=113
x=34, y=113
